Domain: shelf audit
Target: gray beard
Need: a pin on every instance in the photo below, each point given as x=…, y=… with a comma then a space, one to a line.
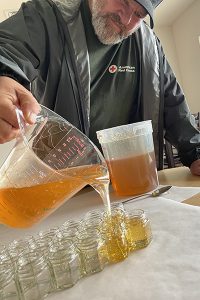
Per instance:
x=104, y=33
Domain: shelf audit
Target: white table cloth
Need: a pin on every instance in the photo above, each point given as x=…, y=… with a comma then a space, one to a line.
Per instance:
x=168, y=269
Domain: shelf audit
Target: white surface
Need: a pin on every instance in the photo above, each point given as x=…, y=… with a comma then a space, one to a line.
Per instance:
x=168, y=269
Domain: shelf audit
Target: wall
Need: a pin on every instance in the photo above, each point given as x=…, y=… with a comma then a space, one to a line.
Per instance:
x=166, y=37
x=182, y=47
x=186, y=31
x=6, y=6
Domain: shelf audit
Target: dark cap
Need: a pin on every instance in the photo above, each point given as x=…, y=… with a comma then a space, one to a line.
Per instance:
x=150, y=5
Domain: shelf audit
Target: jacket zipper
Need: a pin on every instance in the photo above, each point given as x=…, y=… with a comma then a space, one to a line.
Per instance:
x=160, y=121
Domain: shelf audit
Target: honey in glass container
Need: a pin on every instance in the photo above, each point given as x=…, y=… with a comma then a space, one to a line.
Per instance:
x=50, y=162
x=25, y=206
x=113, y=232
x=138, y=229
x=129, y=153
x=133, y=175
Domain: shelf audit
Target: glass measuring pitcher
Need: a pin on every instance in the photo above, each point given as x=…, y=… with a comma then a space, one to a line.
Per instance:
x=50, y=162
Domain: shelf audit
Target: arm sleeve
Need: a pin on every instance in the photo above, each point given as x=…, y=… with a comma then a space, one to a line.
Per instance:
x=25, y=42
x=179, y=124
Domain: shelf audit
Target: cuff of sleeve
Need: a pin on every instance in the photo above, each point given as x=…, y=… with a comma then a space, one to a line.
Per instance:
x=191, y=156
x=17, y=78
x=12, y=70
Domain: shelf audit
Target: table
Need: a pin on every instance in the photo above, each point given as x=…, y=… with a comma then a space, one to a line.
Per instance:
x=169, y=268
x=180, y=176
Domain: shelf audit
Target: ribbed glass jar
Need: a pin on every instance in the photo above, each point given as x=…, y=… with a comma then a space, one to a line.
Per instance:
x=50, y=234
x=71, y=224
x=17, y=247
x=92, y=219
x=65, y=263
x=117, y=206
x=43, y=243
x=69, y=230
x=89, y=243
x=33, y=275
x=114, y=233
x=138, y=229
x=8, y=286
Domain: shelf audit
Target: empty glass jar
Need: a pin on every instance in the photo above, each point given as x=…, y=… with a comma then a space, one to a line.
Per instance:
x=92, y=219
x=65, y=263
x=33, y=275
x=89, y=243
x=8, y=286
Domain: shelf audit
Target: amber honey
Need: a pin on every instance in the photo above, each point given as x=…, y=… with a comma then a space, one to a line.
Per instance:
x=124, y=232
x=133, y=175
x=116, y=249
x=115, y=239
x=138, y=232
x=22, y=207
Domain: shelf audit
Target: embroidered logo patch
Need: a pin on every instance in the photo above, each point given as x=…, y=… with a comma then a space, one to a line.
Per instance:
x=121, y=69
x=113, y=69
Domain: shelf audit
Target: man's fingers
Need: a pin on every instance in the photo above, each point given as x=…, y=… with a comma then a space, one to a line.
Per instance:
x=29, y=106
x=13, y=95
x=195, y=167
x=8, y=132
x=7, y=112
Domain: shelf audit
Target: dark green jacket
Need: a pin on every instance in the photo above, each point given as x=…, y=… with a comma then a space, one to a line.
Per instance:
x=44, y=47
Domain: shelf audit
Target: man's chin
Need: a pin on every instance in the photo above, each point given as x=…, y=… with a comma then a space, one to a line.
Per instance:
x=107, y=31
x=110, y=40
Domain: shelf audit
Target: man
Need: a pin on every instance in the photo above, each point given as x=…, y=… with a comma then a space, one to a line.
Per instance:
x=96, y=63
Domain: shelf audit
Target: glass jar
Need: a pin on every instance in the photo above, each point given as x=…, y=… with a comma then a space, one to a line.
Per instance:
x=8, y=286
x=117, y=206
x=69, y=230
x=92, y=219
x=114, y=233
x=17, y=247
x=5, y=256
x=71, y=224
x=49, y=234
x=43, y=244
x=65, y=263
x=138, y=229
x=89, y=244
x=33, y=276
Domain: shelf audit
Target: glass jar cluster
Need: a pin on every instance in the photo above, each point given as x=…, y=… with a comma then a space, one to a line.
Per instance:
x=56, y=259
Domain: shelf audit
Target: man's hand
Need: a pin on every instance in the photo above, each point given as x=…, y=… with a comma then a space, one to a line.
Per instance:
x=195, y=167
x=12, y=95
